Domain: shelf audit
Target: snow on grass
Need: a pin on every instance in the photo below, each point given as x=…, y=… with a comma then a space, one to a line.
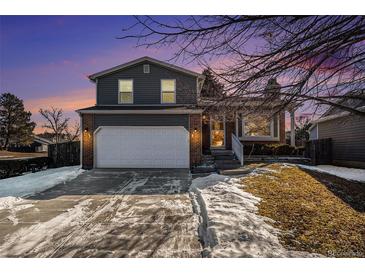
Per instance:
x=354, y=174
x=230, y=224
x=36, y=182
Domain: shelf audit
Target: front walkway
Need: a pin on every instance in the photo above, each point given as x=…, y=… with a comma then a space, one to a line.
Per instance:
x=105, y=213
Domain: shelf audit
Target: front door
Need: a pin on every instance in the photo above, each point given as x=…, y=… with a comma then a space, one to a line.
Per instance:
x=217, y=132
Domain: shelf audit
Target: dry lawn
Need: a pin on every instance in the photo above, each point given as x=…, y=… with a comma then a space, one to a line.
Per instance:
x=11, y=155
x=316, y=213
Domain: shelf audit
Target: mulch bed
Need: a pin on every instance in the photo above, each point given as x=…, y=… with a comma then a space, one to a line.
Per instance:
x=316, y=212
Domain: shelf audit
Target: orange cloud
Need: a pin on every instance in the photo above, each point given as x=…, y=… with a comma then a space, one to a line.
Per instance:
x=69, y=102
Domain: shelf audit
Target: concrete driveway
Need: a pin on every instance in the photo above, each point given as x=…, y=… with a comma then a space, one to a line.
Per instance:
x=105, y=213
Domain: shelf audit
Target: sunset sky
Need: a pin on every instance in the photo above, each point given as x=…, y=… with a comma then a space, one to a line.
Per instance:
x=45, y=60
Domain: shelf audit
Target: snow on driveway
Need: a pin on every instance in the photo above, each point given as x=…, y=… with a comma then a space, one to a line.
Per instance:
x=230, y=224
x=36, y=182
x=355, y=174
x=124, y=215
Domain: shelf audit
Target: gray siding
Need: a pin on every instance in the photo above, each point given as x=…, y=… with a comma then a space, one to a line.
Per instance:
x=348, y=137
x=147, y=86
x=141, y=120
x=313, y=133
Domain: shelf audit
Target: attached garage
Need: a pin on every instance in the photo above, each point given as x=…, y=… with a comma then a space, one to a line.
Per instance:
x=141, y=147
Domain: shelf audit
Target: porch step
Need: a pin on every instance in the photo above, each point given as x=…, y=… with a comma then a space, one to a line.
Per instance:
x=206, y=157
x=224, y=157
x=221, y=152
x=226, y=161
x=227, y=166
x=236, y=171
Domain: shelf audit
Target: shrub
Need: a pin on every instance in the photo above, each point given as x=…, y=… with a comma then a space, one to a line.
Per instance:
x=269, y=149
x=10, y=168
x=282, y=149
x=299, y=151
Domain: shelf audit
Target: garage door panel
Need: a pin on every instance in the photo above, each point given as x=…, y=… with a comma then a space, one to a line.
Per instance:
x=142, y=147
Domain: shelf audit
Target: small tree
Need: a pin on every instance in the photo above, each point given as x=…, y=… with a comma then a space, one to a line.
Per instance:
x=301, y=131
x=15, y=124
x=55, y=121
x=72, y=133
x=211, y=87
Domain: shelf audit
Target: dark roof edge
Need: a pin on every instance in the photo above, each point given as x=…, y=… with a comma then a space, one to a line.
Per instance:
x=94, y=76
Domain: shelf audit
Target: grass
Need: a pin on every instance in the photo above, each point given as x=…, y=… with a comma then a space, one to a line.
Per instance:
x=11, y=155
x=316, y=213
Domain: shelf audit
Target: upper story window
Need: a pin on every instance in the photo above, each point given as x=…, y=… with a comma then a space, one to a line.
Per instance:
x=168, y=91
x=146, y=68
x=126, y=91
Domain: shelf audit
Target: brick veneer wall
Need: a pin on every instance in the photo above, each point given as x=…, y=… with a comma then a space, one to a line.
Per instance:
x=195, y=139
x=87, y=141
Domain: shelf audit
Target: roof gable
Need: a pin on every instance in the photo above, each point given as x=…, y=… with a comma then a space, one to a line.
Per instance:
x=94, y=76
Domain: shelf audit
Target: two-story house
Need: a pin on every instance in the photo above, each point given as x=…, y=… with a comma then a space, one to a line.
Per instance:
x=148, y=114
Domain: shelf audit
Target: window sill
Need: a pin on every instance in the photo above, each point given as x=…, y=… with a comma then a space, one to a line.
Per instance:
x=259, y=138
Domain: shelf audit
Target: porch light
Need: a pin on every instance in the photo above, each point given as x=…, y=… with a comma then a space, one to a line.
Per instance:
x=86, y=129
x=195, y=130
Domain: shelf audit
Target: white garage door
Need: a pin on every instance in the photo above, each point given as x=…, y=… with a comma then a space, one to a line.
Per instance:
x=142, y=147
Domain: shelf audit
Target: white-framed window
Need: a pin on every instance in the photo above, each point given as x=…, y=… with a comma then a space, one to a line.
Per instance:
x=126, y=91
x=146, y=68
x=259, y=127
x=168, y=91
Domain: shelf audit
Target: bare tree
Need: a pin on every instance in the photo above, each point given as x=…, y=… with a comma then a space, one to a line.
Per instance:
x=73, y=132
x=55, y=121
x=316, y=59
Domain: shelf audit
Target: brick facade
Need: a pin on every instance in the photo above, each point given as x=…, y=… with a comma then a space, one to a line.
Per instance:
x=195, y=130
x=87, y=141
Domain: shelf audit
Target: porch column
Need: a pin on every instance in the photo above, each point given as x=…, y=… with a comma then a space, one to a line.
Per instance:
x=292, y=127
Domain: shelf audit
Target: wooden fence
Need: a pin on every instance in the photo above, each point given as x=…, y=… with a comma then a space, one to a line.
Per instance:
x=64, y=154
x=320, y=151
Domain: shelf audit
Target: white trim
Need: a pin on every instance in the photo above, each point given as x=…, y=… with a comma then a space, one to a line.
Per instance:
x=143, y=59
x=237, y=148
x=270, y=137
x=317, y=131
x=96, y=91
x=119, y=92
x=162, y=103
x=146, y=68
x=136, y=111
x=224, y=130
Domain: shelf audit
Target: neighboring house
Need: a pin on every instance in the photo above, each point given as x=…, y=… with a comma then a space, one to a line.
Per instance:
x=149, y=114
x=347, y=132
x=39, y=144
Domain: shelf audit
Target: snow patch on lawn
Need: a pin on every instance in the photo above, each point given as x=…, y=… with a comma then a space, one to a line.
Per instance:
x=230, y=224
x=36, y=182
x=354, y=174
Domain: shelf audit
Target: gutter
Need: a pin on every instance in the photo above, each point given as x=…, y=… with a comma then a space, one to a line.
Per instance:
x=163, y=111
